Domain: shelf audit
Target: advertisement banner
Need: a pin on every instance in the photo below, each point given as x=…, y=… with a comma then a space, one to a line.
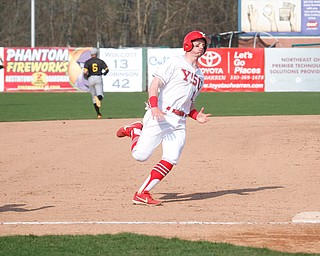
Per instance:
x=158, y=56
x=292, y=70
x=280, y=17
x=44, y=69
x=77, y=58
x=233, y=70
x=125, y=65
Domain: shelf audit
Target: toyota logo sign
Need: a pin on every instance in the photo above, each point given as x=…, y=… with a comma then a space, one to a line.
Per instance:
x=210, y=59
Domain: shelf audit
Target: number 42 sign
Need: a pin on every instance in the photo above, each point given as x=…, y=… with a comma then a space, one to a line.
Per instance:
x=125, y=67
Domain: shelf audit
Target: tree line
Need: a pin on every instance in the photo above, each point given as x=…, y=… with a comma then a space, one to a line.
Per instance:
x=113, y=23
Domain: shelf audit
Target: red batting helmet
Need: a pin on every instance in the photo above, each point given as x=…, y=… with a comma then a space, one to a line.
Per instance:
x=194, y=35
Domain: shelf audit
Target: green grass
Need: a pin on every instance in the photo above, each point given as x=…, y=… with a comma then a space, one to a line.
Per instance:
x=72, y=106
x=67, y=106
x=122, y=244
x=258, y=104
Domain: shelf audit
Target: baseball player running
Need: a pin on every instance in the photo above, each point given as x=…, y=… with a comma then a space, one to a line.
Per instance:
x=172, y=94
x=93, y=70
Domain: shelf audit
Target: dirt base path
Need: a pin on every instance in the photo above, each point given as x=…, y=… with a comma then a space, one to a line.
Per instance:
x=240, y=180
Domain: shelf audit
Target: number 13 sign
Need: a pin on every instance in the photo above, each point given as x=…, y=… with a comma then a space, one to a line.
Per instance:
x=125, y=67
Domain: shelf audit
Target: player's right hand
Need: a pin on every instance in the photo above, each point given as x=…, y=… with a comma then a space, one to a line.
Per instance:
x=157, y=114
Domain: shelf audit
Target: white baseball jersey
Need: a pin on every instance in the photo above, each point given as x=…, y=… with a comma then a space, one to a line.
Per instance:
x=182, y=84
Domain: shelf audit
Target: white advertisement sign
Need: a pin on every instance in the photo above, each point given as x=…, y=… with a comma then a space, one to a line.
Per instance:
x=271, y=16
x=125, y=67
x=1, y=70
x=292, y=69
x=158, y=56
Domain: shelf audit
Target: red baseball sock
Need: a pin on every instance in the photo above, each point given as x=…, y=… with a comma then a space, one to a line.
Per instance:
x=159, y=171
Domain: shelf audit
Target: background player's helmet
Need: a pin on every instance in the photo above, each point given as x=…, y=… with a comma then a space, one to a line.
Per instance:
x=94, y=51
x=194, y=35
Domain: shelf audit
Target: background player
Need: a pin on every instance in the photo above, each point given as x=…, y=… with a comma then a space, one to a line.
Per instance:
x=172, y=94
x=93, y=70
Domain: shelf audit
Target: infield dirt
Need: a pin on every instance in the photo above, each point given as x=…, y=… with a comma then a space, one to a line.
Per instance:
x=255, y=173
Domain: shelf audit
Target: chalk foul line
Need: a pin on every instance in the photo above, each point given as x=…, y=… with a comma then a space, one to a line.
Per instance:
x=141, y=223
x=300, y=218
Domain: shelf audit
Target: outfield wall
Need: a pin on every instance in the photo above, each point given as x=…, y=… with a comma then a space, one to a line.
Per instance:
x=59, y=69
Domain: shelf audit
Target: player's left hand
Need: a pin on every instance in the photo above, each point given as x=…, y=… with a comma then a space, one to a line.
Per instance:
x=202, y=118
x=106, y=71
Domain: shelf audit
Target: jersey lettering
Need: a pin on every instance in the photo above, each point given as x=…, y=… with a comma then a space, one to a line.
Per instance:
x=186, y=74
x=95, y=68
x=194, y=79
